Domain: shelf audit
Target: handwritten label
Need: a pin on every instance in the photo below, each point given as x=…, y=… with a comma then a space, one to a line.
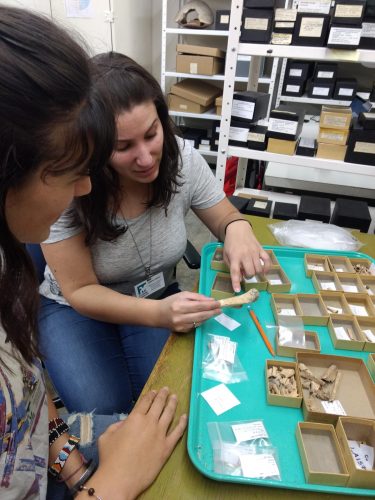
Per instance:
x=220, y=399
x=333, y=407
x=249, y=431
x=362, y=453
x=259, y=466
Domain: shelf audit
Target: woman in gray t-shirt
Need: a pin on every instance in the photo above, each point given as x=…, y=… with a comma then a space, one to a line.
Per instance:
x=109, y=296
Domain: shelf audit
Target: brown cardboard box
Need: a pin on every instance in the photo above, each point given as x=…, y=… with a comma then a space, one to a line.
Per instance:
x=326, y=281
x=199, y=65
x=218, y=110
x=340, y=264
x=345, y=333
x=277, y=280
x=313, y=309
x=336, y=117
x=200, y=50
x=197, y=91
x=315, y=262
x=367, y=327
x=285, y=306
x=219, y=105
x=222, y=287
x=278, y=399
x=258, y=282
x=333, y=136
x=289, y=350
x=330, y=153
x=335, y=303
x=321, y=455
x=371, y=365
x=360, y=305
x=281, y=146
x=177, y=103
x=351, y=283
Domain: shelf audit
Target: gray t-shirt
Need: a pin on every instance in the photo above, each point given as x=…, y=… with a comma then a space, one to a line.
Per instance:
x=117, y=264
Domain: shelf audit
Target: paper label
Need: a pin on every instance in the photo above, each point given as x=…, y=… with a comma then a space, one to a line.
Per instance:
x=311, y=27
x=372, y=267
x=369, y=116
x=249, y=431
x=333, y=121
x=295, y=72
x=148, y=287
x=293, y=88
x=224, y=19
x=363, y=454
x=238, y=134
x=369, y=335
x=333, y=407
x=281, y=38
x=315, y=267
x=325, y=74
x=320, y=91
x=227, y=351
x=276, y=281
x=364, y=147
x=254, y=136
x=256, y=23
x=282, y=126
x=220, y=398
x=327, y=285
x=285, y=14
x=287, y=312
x=243, y=109
x=344, y=36
x=331, y=137
x=368, y=30
x=349, y=288
x=193, y=68
x=284, y=25
x=341, y=333
x=346, y=91
x=347, y=10
x=183, y=106
x=253, y=279
x=259, y=466
x=307, y=142
x=314, y=6
x=260, y=204
x=358, y=310
x=229, y=323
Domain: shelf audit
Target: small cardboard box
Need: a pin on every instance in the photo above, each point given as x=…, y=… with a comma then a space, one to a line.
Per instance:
x=345, y=333
x=345, y=88
x=326, y=281
x=333, y=136
x=367, y=327
x=335, y=303
x=285, y=124
x=284, y=305
x=351, y=283
x=337, y=117
x=362, y=266
x=355, y=396
x=250, y=106
x=298, y=69
x=351, y=213
x=315, y=262
x=311, y=29
x=321, y=455
x=258, y=282
x=285, y=211
x=197, y=91
x=367, y=120
x=222, y=287
x=348, y=11
x=176, y=103
x=367, y=37
x=314, y=207
x=277, y=399
x=340, y=264
x=217, y=261
x=293, y=87
x=330, y=153
x=259, y=208
x=344, y=37
x=313, y=309
x=368, y=283
x=281, y=147
x=200, y=50
x=361, y=146
x=288, y=349
x=362, y=431
x=238, y=133
x=256, y=25
x=199, y=65
x=277, y=280
x=273, y=257
x=321, y=90
x=360, y=304
x=371, y=365
x=256, y=138
x=325, y=71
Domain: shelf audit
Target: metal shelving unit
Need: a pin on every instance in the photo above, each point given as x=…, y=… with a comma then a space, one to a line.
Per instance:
x=313, y=100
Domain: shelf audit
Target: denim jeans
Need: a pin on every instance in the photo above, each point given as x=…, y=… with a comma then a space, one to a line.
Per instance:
x=96, y=365
x=88, y=427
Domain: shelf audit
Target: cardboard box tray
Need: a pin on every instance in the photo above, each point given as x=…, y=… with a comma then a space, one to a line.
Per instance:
x=251, y=393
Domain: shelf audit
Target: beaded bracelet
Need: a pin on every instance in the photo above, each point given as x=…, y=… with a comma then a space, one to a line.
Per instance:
x=57, y=429
x=91, y=468
x=90, y=492
x=55, y=422
x=62, y=479
x=62, y=457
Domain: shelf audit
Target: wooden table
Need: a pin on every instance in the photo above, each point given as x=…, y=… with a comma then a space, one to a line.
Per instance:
x=179, y=479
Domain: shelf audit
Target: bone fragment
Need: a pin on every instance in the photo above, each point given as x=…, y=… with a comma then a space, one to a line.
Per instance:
x=287, y=372
x=335, y=386
x=238, y=300
x=314, y=387
x=330, y=374
x=333, y=309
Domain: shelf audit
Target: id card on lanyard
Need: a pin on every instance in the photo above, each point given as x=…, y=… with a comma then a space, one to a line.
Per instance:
x=148, y=287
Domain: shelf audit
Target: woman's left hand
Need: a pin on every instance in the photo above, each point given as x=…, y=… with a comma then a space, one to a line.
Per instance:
x=243, y=254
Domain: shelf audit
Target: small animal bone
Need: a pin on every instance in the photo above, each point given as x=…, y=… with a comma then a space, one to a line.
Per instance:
x=335, y=386
x=239, y=300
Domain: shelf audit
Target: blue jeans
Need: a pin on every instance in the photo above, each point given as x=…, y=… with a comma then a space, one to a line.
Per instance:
x=96, y=365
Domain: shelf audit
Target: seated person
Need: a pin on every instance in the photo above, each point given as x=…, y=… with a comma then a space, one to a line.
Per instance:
x=110, y=299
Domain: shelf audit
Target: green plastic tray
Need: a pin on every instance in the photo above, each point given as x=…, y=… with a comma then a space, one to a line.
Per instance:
x=280, y=422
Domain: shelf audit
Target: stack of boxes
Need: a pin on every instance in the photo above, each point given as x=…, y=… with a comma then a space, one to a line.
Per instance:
x=199, y=60
x=333, y=132
x=284, y=128
x=346, y=26
x=192, y=96
x=368, y=27
x=361, y=144
x=257, y=21
x=296, y=76
x=283, y=27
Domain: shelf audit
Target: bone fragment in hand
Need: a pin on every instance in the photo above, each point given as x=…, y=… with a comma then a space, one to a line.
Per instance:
x=238, y=300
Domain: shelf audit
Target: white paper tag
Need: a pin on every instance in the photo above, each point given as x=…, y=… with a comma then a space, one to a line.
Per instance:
x=358, y=310
x=293, y=88
x=259, y=466
x=365, y=147
x=256, y=23
x=229, y=323
x=341, y=333
x=344, y=36
x=314, y=6
x=349, y=288
x=224, y=19
x=363, y=454
x=308, y=142
x=282, y=126
x=243, y=109
x=311, y=27
x=220, y=398
x=260, y=204
x=276, y=281
x=343, y=11
x=327, y=286
x=238, y=134
x=249, y=431
x=325, y=74
x=295, y=72
x=369, y=291
x=314, y=267
x=285, y=14
x=339, y=269
x=368, y=30
x=193, y=68
x=287, y=312
x=146, y=288
x=334, y=407
x=324, y=91
x=346, y=92
x=369, y=335
x=256, y=137
x=227, y=351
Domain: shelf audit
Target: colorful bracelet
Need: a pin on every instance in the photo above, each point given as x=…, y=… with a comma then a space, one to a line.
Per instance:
x=62, y=457
x=91, y=468
x=55, y=422
x=57, y=428
x=62, y=479
x=90, y=492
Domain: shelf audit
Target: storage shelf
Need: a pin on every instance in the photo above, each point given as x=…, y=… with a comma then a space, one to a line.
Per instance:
x=306, y=53
x=214, y=77
x=207, y=153
x=305, y=161
x=209, y=115
x=199, y=32
x=313, y=100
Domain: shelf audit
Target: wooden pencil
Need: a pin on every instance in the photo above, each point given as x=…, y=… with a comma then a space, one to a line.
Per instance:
x=261, y=331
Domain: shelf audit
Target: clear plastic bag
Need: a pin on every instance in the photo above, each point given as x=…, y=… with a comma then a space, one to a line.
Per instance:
x=291, y=332
x=220, y=360
x=312, y=234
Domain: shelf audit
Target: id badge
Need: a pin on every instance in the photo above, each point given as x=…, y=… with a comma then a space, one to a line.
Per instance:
x=148, y=287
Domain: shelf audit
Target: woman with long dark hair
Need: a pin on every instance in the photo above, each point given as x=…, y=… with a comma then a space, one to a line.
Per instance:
x=50, y=136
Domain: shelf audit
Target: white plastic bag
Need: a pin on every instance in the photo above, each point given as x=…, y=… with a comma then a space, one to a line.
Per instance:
x=312, y=234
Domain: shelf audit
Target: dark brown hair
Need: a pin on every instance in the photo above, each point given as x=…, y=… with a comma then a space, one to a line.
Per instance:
x=125, y=84
x=47, y=117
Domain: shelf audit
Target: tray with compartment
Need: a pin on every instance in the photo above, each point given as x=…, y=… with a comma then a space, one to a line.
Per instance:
x=280, y=422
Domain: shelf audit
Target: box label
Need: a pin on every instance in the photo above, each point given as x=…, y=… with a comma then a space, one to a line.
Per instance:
x=254, y=136
x=324, y=91
x=293, y=88
x=365, y=147
x=368, y=30
x=243, y=109
x=193, y=68
x=260, y=204
x=314, y=6
x=369, y=116
x=311, y=27
x=344, y=10
x=363, y=454
x=341, y=333
x=327, y=285
x=325, y=74
x=295, y=72
x=308, y=142
x=259, y=465
x=282, y=126
x=284, y=25
x=183, y=106
x=369, y=335
x=238, y=134
x=224, y=19
x=281, y=38
x=349, y=288
x=334, y=121
x=333, y=407
x=249, y=431
x=331, y=137
x=345, y=91
x=256, y=23
x=285, y=15
x=358, y=310
x=344, y=36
